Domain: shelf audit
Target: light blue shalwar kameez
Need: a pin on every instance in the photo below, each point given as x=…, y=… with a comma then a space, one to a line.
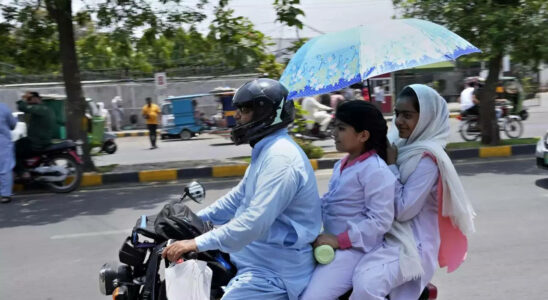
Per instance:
x=269, y=221
x=7, y=156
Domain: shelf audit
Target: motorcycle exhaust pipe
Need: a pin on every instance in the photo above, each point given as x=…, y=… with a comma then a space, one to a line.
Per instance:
x=50, y=173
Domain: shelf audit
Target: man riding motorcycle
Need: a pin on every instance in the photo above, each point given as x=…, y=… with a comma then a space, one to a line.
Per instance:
x=40, y=124
x=269, y=220
x=316, y=112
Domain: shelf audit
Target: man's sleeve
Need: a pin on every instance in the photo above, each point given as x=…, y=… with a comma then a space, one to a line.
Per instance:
x=378, y=212
x=275, y=189
x=32, y=109
x=12, y=121
x=222, y=210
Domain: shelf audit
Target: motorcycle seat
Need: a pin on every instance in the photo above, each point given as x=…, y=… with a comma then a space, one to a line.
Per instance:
x=59, y=146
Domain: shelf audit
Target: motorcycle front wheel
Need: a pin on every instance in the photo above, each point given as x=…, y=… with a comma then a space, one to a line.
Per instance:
x=74, y=176
x=513, y=128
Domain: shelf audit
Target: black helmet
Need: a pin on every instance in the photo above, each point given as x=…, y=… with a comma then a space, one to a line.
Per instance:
x=267, y=99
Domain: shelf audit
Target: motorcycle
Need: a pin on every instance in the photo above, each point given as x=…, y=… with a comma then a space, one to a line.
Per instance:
x=137, y=276
x=109, y=144
x=511, y=124
x=58, y=167
x=313, y=132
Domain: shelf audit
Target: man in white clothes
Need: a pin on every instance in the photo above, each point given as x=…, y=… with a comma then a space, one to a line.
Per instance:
x=468, y=100
x=379, y=97
x=316, y=112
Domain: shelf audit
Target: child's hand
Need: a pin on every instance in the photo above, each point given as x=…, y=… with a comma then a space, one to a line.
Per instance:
x=391, y=154
x=327, y=239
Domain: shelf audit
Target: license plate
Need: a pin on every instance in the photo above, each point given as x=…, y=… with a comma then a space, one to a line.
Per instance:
x=546, y=158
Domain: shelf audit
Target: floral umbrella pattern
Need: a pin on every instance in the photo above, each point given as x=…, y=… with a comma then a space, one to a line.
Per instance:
x=336, y=60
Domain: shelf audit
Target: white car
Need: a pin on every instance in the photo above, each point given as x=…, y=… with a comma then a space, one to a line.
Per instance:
x=20, y=129
x=542, y=152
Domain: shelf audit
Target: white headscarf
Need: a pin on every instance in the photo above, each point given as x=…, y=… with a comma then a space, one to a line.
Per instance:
x=431, y=135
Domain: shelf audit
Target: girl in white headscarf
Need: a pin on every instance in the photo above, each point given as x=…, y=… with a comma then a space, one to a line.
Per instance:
x=433, y=215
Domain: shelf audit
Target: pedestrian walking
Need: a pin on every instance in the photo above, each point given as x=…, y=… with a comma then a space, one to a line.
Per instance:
x=117, y=113
x=151, y=113
x=7, y=155
x=379, y=96
x=103, y=112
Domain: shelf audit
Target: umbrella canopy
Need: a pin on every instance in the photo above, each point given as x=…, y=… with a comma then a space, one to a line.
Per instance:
x=336, y=60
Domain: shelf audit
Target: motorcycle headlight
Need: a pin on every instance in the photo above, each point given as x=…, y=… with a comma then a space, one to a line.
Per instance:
x=107, y=276
x=112, y=277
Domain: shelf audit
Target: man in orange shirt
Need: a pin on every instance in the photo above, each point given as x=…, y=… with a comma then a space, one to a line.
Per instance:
x=151, y=112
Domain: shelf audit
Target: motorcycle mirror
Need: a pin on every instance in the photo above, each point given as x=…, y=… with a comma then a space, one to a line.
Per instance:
x=195, y=191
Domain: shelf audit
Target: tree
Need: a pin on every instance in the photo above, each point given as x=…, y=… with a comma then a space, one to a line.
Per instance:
x=29, y=40
x=497, y=27
x=233, y=38
x=124, y=16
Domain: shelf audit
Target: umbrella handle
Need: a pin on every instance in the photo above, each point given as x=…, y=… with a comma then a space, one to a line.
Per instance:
x=369, y=90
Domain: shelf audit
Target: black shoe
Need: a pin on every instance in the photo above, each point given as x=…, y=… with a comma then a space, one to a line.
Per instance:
x=5, y=200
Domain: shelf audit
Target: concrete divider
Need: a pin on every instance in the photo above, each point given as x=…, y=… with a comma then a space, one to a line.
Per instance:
x=238, y=170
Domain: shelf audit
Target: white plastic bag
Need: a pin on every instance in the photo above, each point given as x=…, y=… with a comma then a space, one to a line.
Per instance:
x=189, y=280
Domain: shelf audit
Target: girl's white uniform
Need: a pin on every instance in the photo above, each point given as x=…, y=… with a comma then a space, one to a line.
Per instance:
x=426, y=179
x=359, y=209
x=415, y=201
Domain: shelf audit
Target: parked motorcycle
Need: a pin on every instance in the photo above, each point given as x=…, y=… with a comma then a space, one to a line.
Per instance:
x=137, y=276
x=511, y=124
x=58, y=167
x=109, y=143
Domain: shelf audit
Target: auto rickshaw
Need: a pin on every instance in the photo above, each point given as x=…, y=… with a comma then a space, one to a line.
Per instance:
x=224, y=97
x=179, y=119
x=97, y=137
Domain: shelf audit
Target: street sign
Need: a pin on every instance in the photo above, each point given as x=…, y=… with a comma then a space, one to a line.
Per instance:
x=160, y=80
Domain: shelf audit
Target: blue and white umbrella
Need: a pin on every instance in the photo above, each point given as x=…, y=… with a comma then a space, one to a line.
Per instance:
x=336, y=60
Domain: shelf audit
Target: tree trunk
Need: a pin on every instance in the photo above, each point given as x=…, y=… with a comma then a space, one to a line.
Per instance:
x=61, y=11
x=489, y=126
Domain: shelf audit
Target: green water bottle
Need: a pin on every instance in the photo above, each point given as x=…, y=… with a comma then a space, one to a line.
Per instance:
x=324, y=254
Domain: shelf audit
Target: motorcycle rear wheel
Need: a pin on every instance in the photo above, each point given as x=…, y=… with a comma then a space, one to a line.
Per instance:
x=109, y=147
x=469, y=131
x=74, y=178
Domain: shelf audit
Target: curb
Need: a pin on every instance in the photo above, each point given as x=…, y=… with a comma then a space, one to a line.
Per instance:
x=145, y=132
x=134, y=133
x=92, y=179
x=96, y=179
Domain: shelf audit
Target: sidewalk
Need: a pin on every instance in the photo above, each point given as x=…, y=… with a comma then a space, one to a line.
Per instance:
x=215, y=168
x=144, y=132
x=234, y=167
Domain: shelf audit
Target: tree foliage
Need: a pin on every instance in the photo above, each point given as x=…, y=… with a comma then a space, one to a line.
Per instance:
x=46, y=36
x=120, y=38
x=497, y=27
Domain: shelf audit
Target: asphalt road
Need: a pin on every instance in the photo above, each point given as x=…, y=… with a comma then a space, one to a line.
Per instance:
x=52, y=245
x=135, y=150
